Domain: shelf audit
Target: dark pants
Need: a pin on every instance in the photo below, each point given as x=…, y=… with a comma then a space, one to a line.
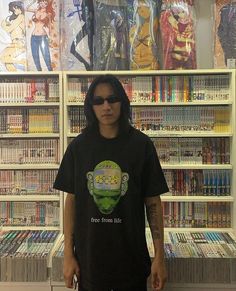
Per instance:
x=138, y=287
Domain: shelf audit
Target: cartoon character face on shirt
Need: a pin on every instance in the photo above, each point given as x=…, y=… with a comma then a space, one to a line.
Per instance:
x=107, y=184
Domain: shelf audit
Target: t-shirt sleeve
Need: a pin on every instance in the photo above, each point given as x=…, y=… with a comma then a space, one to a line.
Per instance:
x=65, y=177
x=153, y=179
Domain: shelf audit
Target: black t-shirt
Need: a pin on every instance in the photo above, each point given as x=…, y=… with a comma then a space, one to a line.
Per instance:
x=110, y=179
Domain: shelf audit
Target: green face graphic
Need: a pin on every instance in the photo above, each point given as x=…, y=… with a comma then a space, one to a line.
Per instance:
x=107, y=184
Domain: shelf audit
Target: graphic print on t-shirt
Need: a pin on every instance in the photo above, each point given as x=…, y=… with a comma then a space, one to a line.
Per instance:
x=107, y=184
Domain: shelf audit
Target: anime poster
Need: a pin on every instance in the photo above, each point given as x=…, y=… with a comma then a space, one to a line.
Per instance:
x=110, y=35
x=177, y=25
x=143, y=34
x=77, y=35
x=42, y=34
x=12, y=36
x=225, y=33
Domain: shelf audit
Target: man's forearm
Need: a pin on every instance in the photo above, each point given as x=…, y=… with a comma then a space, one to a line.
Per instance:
x=69, y=216
x=155, y=220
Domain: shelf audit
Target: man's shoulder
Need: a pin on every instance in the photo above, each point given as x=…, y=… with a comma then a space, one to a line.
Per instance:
x=80, y=140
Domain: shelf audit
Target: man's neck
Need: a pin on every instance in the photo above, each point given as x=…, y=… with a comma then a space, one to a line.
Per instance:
x=110, y=131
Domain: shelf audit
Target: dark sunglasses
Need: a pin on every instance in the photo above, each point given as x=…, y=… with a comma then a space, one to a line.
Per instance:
x=98, y=100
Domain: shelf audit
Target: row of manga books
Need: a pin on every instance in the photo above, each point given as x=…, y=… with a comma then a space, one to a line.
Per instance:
x=182, y=88
x=180, y=182
x=210, y=151
x=76, y=119
x=198, y=182
x=193, y=150
x=24, y=89
x=181, y=119
x=191, y=257
x=77, y=88
x=197, y=214
x=30, y=151
x=164, y=88
x=197, y=244
x=29, y=120
x=27, y=182
x=198, y=257
x=25, y=255
x=166, y=119
x=39, y=213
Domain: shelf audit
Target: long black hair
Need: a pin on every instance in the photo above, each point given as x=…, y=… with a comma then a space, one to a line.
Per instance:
x=125, y=116
x=15, y=4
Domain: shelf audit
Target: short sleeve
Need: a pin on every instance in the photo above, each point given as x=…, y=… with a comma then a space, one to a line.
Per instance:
x=65, y=177
x=153, y=179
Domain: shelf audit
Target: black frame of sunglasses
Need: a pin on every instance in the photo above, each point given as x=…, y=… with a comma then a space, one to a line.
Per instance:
x=98, y=100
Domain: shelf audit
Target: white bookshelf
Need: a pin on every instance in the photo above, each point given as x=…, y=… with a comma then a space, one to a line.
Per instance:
x=11, y=100
x=14, y=98
x=229, y=134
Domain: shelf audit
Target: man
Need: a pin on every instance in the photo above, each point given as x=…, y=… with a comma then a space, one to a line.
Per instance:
x=110, y=172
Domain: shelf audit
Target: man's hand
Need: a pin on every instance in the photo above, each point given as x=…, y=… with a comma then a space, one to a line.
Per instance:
x=70, y=268
x=158, y=274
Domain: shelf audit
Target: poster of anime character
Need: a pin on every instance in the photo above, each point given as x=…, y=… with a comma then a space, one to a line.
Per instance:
x=225, y=33
x=143, y=32
x=12, y=36
x=177, y=25
x=110, y=35
x=42, y=34
x=77, y=35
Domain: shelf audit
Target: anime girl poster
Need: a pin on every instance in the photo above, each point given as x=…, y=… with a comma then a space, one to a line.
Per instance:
x=225, y=33
x=177, y=25
x=42, y=34
x=77, y=35
x=110, y=35
x=12, y=36
x=143, y=34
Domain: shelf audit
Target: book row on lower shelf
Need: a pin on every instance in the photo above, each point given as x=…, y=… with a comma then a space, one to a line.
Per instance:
x=194, y=257
x=205, y=151
x=170, y=150
x=176, y=214
x=197, y=214
x=33, y=213
x=30, y=151
x=189, y=182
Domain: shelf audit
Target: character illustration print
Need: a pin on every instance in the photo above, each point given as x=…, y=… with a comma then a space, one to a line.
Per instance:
x=107, y=184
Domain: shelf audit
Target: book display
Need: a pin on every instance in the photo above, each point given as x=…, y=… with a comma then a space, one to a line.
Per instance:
x=163, y=53
x=30, y=152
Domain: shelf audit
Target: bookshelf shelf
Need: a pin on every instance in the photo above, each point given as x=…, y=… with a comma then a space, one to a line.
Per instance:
x=30, y=135
x=31, y=197
x=223, y=102
x=189, y=134
x=197, y=166
x=28, y=227
x=177, y=134
x=30, y=104
x=167, y=198
x=199, y=229
x=28, y=166
x=192, y=103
